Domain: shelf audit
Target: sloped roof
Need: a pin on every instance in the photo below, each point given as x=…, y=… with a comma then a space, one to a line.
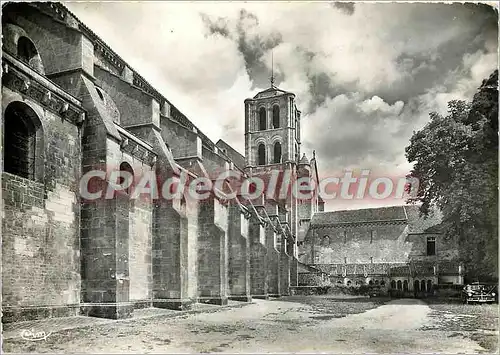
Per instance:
x=304, y=159
x=393, y=213
x=269, y=91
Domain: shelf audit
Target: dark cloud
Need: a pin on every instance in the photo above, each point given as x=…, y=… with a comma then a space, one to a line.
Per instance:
x=218, y=26
x=345, y=7
x=253, y=48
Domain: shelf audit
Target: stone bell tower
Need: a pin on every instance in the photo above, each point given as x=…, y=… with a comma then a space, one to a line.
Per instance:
x=272, y=128
x=272, y=143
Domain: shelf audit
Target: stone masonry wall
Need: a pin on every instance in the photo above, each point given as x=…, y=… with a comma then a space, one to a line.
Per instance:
x=136, y=107
x=239, y=258
x=258, y=266
x=446, y=248
x=61, y=48
x=272, y=261
x=40, y=242
x=388, y=244
x=140, y=264
x=182, y=141
x=212, y=252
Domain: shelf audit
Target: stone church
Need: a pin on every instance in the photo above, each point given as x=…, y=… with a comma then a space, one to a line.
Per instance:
x=72, y=105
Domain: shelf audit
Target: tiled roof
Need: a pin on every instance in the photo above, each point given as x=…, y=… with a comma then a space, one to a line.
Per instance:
x=394, y=213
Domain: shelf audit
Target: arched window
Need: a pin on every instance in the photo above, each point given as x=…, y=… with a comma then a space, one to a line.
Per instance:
x=400, y=285
x=26, y=50
x=405, y=285
x=393, y=284
x=429, y=285
x=276, y=117
x=370, y=282
x=262, y=119
x=422, y=285
x=127, y=177
x=277, y=152
x=326, y=240
x=21, y=126
x=262, y=154
x=99, y=92
x=376, y=282
x=416, y=286
x=382, y=283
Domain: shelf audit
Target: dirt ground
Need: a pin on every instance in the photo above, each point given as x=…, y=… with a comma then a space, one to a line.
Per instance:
x=294, y=324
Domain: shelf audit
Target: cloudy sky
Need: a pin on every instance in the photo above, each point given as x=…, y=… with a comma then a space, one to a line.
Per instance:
x=366, y=75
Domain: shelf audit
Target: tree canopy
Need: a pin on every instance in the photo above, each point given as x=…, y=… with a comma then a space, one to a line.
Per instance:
x=456, y=162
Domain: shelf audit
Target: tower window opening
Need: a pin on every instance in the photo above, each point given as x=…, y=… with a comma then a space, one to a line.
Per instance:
x=99, y=92
x=431, y=246
x=277, y=152
x=262, y=154
x=20, y=140
x=262, y=119
x=127, y=178
x=276, y=116
x=26, y=50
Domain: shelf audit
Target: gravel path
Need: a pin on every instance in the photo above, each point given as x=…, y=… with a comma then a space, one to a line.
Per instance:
x=263, y=327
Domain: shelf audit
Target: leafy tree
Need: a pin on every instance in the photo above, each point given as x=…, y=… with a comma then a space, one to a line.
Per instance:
x=456, y=162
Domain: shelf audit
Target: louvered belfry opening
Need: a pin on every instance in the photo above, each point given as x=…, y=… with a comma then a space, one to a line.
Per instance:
x=277, y=152
x=261, y=154
x=26, y=50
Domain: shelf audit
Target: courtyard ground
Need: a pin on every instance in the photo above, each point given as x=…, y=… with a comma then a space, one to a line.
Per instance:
x=290, y=324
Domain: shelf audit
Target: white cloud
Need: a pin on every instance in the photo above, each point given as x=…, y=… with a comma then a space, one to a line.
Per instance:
x=385, y=67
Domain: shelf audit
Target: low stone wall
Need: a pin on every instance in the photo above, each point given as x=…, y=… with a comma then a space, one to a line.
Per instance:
x=313, y=279
x=365, y=290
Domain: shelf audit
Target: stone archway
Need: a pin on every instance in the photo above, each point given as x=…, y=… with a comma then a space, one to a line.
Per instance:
x=23, y=142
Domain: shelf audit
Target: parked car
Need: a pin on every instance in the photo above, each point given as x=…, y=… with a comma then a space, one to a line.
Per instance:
x=480, y=293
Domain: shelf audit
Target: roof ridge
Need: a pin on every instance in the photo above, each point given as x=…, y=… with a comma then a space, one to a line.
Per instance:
x=361, y=209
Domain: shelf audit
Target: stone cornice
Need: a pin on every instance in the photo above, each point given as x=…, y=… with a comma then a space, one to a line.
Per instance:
x=136, y=147
x=22, y=79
